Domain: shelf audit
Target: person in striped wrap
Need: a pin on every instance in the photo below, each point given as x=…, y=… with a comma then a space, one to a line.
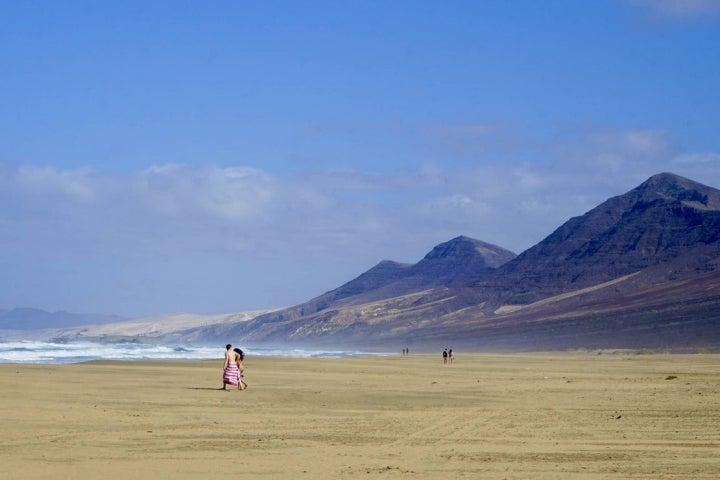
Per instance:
x=231, y=371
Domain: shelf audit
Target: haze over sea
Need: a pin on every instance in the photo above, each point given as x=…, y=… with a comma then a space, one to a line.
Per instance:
x=64, y=353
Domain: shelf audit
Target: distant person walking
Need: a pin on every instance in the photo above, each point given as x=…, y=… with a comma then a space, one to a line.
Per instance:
x=451, y=356
x=445, y=355
x=231, y=371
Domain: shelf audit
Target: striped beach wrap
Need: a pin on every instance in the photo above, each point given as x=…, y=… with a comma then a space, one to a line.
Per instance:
x=231, y=375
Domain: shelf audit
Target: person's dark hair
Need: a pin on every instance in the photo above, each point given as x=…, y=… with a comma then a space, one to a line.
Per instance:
x=228, y=346
x=239, y=352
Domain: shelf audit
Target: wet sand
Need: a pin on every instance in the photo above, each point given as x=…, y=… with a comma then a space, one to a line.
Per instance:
x=584, y=416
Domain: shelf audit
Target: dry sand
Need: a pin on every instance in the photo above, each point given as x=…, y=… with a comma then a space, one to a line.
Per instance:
x=580, y=416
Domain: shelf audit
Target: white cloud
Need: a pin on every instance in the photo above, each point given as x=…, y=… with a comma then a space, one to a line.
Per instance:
x=233, y=193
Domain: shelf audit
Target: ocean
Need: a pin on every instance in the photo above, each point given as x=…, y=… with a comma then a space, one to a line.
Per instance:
x=76, y=352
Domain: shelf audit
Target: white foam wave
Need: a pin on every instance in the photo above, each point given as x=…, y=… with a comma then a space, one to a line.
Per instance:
x=60, y=353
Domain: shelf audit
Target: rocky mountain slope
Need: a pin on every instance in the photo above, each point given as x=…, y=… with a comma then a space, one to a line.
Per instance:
x=666, y=220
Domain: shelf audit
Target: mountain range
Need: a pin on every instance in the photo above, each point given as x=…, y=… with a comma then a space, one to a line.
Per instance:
x=639, y=270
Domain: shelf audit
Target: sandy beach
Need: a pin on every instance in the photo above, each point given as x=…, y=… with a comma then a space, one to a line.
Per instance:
x=580, y=416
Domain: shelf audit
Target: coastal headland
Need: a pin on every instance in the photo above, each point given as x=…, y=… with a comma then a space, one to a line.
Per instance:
x=587, y=415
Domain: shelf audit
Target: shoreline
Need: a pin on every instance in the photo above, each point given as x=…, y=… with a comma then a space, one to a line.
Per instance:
x=68, y=354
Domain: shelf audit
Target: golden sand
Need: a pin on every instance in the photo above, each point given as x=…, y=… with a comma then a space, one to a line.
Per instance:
x=485, y=416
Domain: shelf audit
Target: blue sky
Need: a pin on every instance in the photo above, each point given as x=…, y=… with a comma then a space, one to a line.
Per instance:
x=217, y=157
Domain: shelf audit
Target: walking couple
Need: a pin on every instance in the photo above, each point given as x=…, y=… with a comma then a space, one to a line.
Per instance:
x=233, y=368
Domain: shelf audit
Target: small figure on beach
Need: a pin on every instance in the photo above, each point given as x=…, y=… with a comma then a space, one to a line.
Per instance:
x=451, y=356
x=231, y=371
x=445, y=355
x=242, y=385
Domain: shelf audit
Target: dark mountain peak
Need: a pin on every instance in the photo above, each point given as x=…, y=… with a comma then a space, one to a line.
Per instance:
x=385, y=272
x=464, y=248
x=671, y=188
x=462, y=260
x=668, y=181
x=656, y=223
x=458, y=262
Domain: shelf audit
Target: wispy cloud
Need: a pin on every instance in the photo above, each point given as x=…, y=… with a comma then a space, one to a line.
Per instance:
x=228, y=193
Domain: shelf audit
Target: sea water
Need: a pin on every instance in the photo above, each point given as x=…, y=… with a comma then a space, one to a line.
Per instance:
x=75, y=352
